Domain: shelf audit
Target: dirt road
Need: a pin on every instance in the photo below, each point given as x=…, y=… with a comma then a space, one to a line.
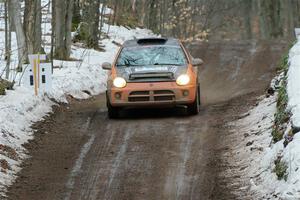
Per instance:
x=78, y=153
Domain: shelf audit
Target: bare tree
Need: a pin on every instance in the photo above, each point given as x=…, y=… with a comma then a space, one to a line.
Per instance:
x=62, y=24
x=7, y=39
x=102, y=14
x=90, y=24
x=271, y=19
x=14, y=8
x=32, y=25
x=143, y=13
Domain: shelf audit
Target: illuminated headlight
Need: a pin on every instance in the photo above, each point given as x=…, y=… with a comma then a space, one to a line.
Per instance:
x=119, y=82
x=183, y=79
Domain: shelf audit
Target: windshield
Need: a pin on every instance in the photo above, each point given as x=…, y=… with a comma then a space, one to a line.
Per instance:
x=151, y=55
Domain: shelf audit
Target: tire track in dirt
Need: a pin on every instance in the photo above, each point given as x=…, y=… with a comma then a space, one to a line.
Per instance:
x=117, y=162
x=78, y=164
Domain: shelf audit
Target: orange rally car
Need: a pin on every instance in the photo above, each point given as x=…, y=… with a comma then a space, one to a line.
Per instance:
x=152, y=72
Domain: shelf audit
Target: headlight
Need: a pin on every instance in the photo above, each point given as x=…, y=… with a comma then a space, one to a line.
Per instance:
x=119, y=82
x=183, y=79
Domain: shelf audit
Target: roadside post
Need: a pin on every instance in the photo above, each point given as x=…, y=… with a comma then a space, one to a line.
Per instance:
x=38, y=75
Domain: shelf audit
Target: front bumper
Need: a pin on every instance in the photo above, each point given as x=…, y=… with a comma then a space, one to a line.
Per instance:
x=152, y=94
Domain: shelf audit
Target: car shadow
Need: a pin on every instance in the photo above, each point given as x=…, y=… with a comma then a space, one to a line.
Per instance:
x=153, y=113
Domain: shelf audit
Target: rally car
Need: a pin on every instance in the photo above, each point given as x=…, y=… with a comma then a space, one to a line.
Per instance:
x=152, y=72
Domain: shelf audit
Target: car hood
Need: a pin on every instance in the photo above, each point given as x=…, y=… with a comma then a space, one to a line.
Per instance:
x=151, y=73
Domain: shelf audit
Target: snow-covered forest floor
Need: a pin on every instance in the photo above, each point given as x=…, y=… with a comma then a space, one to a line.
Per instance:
x=20, y=108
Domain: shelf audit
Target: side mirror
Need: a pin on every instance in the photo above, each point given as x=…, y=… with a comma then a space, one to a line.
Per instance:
x=197, y=61
x=106, y=66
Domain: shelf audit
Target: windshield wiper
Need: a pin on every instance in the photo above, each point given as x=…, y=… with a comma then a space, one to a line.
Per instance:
x=129, y=65
x=168, y=64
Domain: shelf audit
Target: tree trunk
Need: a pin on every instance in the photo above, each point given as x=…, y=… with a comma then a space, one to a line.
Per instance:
x=270, y=14
x=52, y=34
x=32, y=26
x=133, y=7
x=152, y=16
x=76, y=14
x=116, y=9
x=91, y=16
x=247, y=18
x=7, y=40
x=14, y=8
x=62, y=27
x=143, y=13
x=102, y=19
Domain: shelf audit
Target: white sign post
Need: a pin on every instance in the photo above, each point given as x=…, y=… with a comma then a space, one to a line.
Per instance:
x=39, y=75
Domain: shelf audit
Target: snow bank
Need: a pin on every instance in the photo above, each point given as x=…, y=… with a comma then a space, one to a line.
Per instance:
x=293, y=86
x=253, y=150
x=19, y=109
x=256, y=154
x=260, y=172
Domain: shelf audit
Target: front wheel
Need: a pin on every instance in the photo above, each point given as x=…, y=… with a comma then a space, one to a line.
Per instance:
x=113, y=112
x=194, y=108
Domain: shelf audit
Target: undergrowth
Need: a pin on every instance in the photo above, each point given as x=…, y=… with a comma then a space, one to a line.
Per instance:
x=2, y=89
x=5, y=85
x=282, y=115
x=280, y=169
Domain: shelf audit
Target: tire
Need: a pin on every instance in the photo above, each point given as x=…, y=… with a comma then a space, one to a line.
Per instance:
x=194, y=108
x=199, y=97
x=113, y=112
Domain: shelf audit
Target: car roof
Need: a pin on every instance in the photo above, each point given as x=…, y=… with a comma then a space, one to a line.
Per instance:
x=152, y=41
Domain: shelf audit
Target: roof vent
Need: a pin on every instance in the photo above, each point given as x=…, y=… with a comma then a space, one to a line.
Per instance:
x=152, y=41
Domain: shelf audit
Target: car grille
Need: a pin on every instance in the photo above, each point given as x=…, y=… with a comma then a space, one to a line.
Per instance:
x=155, y=95
x=151, y=77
